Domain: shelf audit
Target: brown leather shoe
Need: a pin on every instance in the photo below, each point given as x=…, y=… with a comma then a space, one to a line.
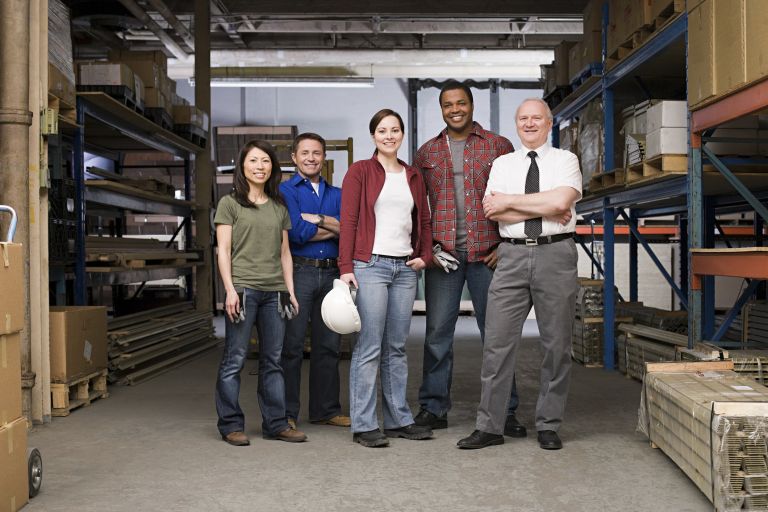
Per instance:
x=336, y=421
x=237, y=439
x=289, y=435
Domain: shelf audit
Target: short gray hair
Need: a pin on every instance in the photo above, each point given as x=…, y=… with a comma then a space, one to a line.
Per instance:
x=537, y=100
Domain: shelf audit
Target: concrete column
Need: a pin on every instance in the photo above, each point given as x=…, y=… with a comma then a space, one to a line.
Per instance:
x=15, y=119
x=203, y=164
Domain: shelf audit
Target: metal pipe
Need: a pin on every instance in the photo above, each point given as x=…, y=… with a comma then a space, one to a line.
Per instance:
x=15, y=120
x=141, y=15
x=173, y=21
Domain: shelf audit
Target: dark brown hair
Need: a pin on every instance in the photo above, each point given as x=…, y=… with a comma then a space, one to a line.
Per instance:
x=307, y=136
x=381, y=114
x=271, y=187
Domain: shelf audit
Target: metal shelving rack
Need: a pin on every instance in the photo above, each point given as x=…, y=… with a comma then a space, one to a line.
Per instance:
x=705, y=262
x=108, y=128
x=665, y=197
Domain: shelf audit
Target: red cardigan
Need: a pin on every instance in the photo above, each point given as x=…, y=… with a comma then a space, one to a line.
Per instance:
x=360, y=189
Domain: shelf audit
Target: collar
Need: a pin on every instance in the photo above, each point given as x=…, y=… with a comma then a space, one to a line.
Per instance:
x=297, y=179
x=476, y=130
x=541, y=151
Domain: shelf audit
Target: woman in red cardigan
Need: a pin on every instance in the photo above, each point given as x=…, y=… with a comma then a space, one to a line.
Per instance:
x=385, y=240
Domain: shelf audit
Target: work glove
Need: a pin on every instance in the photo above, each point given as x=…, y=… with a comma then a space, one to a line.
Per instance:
x=284, y=305
x=445, y=259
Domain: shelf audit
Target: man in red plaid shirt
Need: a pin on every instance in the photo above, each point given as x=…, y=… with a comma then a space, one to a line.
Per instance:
x=456, y=163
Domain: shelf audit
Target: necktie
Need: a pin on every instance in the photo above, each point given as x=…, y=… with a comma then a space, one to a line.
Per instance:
x=532, y=226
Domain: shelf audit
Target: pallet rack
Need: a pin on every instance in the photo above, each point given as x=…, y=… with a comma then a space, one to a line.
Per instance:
x=109, y=128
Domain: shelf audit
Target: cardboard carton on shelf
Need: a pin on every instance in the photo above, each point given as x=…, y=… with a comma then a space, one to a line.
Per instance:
x=12, y=284
x=666, y=141
x=78, y=341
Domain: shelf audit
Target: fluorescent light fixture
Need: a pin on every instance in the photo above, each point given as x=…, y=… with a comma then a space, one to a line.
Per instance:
x=270, y=81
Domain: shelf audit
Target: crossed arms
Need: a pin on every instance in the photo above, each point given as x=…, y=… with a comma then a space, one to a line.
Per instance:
x=554, y=205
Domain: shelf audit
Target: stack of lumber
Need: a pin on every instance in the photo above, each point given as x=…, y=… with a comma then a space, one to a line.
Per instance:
x=756, y=326
x=672, y=321
x=752, y=364
x=641, y=344
x=102, y=253
x=145, y=184
x=146, y=344
x=713, y=424
x=587, y=346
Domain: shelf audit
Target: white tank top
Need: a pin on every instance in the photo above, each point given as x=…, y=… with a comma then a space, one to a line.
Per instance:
x=393, y=217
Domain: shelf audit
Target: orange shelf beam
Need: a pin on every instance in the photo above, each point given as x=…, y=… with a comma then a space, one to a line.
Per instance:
x=749, y=100
x=662, y=230
x=748, y=262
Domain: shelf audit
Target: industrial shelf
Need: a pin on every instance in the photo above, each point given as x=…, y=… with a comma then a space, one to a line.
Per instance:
x=108, y=128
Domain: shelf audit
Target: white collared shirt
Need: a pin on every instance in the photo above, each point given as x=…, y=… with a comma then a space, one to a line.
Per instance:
x=557, y=168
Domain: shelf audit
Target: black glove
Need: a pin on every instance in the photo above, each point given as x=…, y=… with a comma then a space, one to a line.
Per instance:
x=285, y=306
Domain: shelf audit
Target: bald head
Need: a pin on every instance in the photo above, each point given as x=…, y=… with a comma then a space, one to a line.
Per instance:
x=533, y=119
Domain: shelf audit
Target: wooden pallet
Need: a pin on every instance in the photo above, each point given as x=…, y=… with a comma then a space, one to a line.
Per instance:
x=607, y=180
x=78, y=393
x=668, y=13
x=65, y=110
x=656, y=167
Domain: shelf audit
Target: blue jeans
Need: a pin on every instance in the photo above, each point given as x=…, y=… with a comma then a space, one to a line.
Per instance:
x=443, y=296
x=261, y=309
x=310, y=285
x=387, y=289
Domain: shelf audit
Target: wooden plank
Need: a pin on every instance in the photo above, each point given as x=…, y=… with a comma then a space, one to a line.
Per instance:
x=689, y=366
x=136, y=192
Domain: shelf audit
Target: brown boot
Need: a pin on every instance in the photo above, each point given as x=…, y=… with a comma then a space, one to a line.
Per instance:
x=288, y=435
x=237, y=439
x=336, y=421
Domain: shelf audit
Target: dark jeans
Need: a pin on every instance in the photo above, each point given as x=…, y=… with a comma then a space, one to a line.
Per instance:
x=310, y=285
x=443, y=296
x=261, y=309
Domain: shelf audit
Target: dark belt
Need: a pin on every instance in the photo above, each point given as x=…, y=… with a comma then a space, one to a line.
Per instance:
x=401, y=258
x=329, y=263
x=541, y=240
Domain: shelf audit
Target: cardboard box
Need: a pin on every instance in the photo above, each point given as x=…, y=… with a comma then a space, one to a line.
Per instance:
x=574, y=60
x=190, y=114
x=158, y=57
x=666, y=141
x=154, y=98
x=562, y=76
x=701, y=54
x=14, y=478
x=12, y=285
x=730, y=64
x=756, y=38
x=593, y=16
x=105, y=73
x=78, y=341
x=625, y=17
x=667, y=114
x=60, y=86
x=592, y=48
x=10, y=378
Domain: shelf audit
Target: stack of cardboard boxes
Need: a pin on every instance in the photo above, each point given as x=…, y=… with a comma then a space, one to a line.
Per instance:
x=14, y=484
x=589, y=50
x=727, y=47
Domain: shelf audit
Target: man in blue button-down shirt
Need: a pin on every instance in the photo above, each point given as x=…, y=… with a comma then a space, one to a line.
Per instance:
x=313, y=205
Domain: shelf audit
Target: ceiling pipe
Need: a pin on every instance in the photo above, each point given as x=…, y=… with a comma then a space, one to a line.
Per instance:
x=141, y=15
x=173, y=21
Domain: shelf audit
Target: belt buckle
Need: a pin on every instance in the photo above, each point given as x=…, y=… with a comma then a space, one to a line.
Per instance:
x=531, y=241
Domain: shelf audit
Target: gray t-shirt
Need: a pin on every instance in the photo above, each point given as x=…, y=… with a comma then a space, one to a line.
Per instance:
x=257, y=235
x=457, y=156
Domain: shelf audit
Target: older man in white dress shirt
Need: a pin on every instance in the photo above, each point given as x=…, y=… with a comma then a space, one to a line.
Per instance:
x=531, y=194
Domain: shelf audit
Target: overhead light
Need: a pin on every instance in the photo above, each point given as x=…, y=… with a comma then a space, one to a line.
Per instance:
x=355, y=81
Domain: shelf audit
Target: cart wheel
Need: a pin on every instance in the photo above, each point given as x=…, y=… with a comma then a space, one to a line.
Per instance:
x=35, y=468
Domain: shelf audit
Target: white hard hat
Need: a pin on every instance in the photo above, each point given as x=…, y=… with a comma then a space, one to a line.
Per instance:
x=339, y=310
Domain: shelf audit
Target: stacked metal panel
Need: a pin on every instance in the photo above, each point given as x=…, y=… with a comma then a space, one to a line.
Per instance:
x=672, y=321
x=757, y=325
x=642, y=344
x=587, y=346
x=146, y=344
x=712, y=423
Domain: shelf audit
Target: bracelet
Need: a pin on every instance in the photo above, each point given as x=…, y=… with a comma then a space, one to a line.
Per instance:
x=322, y=219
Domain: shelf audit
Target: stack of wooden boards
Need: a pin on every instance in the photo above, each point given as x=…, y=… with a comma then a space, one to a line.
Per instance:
x=713, y=424
x=102, y=254
x=146, y=344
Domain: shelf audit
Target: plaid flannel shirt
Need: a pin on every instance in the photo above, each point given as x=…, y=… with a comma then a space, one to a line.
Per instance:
x=434, y=161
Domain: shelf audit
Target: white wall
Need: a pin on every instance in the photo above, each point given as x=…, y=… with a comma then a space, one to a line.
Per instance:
x=340, y=113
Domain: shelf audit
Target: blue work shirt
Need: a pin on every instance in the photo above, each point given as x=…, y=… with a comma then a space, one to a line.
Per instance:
x=300, y=197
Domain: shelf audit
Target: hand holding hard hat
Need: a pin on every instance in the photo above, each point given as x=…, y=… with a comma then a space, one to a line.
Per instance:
x=339, y=311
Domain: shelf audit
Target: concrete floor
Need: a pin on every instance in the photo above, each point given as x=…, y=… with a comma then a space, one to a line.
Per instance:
x=155, y=447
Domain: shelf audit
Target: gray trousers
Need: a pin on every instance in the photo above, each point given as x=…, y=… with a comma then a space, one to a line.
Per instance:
x=544, y=277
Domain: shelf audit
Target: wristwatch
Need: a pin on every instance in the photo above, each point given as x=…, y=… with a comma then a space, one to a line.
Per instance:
x=322, y=219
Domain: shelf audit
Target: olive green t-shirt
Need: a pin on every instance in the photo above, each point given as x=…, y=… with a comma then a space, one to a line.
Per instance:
x=257, y=235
